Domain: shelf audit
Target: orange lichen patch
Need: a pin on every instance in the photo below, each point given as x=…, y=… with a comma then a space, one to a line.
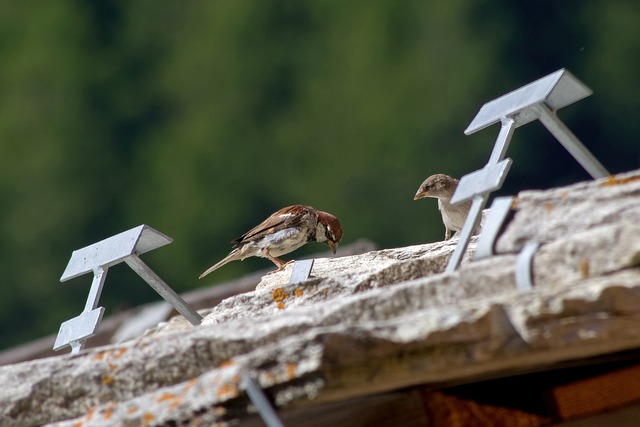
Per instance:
x=280, y=306
x=279, y=294
x=99, y=356
x=175, y=400
x=90, y=414
x=564, y=194
x=227, y=389
x=584, y=268
x=226, y=363
x=614, y=180
x=549, y=207
x=291, y=370
x=298, y=292
x=147, y=419
x=108, y=380
x=108, y=411
x=190, y=383
x=140, y=343
x=166, y=396
x=112, y=366
x=78, y=424
x=132, y=409
x=120, y=352
x=173, y=405
x=266, y=377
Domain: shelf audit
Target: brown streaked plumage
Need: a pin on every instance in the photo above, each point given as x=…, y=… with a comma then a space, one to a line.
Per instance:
x=284, y=231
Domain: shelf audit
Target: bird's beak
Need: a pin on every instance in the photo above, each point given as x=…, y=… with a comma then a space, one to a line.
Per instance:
x=333, y=246
x=419, y=195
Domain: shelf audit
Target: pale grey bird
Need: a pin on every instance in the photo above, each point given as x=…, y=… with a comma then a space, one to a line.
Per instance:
x=442, y=187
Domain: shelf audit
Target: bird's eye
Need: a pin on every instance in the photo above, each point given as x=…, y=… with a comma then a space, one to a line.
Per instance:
x=328, y=233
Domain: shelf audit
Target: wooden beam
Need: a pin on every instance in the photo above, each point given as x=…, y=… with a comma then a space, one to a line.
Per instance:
x=597, y=394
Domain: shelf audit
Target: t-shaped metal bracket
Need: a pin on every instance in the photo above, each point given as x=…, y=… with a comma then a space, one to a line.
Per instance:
x=97, y=258
x=538, y=100
x=476, y=186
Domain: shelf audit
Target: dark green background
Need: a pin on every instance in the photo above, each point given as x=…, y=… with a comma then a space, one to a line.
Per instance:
x=200, y=118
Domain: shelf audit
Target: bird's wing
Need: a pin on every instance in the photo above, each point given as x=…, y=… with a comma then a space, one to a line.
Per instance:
x=291, y=216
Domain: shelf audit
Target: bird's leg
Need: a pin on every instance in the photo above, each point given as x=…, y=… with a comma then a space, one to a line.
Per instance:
x=277, y=261
x=447, y=233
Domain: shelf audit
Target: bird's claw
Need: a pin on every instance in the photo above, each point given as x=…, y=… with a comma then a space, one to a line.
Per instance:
x=281, y=267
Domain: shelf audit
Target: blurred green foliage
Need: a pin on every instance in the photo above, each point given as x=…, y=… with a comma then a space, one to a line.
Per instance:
x=201, y=118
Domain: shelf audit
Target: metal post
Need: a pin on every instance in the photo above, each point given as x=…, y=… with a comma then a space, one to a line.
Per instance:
x=473, y=218
x=99, y=276
x=571, y=142
x=508, y=126
x=261, y=402
x=524, y=266
x=163, y=289
x=76, y=346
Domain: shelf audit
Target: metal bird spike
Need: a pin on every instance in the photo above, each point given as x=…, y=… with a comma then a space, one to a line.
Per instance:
x=301, y=270
x=538, y=100
x=97, y=258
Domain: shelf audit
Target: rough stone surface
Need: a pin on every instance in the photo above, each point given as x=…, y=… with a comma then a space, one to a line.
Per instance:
x=366, y=324
x=547, y=215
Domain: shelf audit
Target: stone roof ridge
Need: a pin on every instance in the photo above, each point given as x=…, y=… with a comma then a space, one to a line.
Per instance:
x=369, y=324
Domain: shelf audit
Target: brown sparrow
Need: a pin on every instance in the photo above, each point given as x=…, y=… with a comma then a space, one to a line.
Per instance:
x=442, y=187
x=284, y=232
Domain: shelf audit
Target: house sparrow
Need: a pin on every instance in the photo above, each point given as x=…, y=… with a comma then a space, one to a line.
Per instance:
x=442, y=187
x=283, y=232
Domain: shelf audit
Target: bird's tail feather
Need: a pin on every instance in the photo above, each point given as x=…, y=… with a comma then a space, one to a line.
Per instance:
x=233, y=256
